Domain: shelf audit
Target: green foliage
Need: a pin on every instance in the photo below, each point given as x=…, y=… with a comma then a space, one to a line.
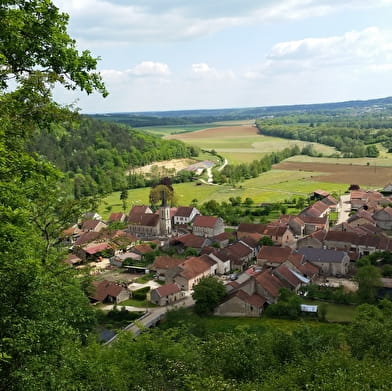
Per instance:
x=207, y=294
x=141, y=293
x=368, y=278
x=288, y=306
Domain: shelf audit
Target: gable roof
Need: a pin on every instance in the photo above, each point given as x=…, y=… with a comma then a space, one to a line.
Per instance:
x=322, y=255
x=116, y=216
x=184, y=211
x=205, y=221
x=254, y=300
x=269, y=282
x=274, y=254
x=167, y=289
x=89, y=225
x=191, y=240
x=166, y=262
x=87, y=237
x=195, y=266
x=147, y=220
x=103, y=289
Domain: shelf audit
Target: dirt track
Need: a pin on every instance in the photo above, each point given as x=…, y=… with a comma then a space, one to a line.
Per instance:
x=343, y=173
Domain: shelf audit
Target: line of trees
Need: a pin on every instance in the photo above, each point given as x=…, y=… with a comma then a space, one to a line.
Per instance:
x=352, y=136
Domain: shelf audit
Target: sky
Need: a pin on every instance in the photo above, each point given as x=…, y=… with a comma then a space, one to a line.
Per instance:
x=161, y=55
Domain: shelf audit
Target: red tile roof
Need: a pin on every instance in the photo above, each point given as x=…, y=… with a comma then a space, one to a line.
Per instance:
x=254, y=300
x=116, y=216
x=103, y=289
x=269, y=282
x=251, y=228
x=90, y=225
x=191, y=240
x=147, y=220
x=274, y=254
x=94, y=248
x=205, y=221
x=87, y=237
x=167, y=289
x=165, y=262
x=195, y=266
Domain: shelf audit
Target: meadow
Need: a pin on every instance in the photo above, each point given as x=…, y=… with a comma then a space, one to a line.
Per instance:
x=271, y=186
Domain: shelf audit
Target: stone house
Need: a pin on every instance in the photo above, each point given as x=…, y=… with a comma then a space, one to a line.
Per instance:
x=93, y=225
x=191, y=271
x=107, y=291
x=314, y=240
x=162, y=264
x=383, y=218
x=330, y=262
x=166, y=294
x=240, y=303
x=271, y=256
x=208, y=226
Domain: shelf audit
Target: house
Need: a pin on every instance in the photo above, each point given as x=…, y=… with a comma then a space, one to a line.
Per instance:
x=208, y=226
x=144, y=224
x=330, y=262
x=73, y=260
x=223, y=260
x=117, y=217
x=107, y=291
x=290, y=278
x=94, y=251
x=383, y=218
x=313, y=224
x=273, y=256
x=360, y=218
x=268, y=285
x=249, y=229
x=223, y=239
x=314, y=240
x=93, y=225
x=191, y=271
x=166, y=294
x=319, y=194
x=318, y=209
x=240, y=303
x=189, y=241
x=185, y=214
x=164, y=263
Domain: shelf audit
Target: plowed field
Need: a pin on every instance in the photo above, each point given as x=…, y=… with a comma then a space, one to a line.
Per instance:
x=343, y=173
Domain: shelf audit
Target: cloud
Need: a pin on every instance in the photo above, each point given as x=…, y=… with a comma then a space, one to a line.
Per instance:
x=370, y=48
x=116, y=21
x=203, y=70
x=146, y=69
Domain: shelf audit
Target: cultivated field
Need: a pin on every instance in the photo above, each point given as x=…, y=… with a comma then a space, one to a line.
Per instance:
x=366, y=175
x=241, y=143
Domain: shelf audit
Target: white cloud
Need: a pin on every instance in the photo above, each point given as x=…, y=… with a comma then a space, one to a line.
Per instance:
x=114, y=22
x=203, y=70
x=150, y=68
x=144, y=69
x=354, y=49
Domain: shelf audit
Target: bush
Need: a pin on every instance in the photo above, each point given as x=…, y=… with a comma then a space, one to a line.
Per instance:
x=141, y=294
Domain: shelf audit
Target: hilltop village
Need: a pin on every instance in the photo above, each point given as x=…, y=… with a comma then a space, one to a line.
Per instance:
x=178, y=246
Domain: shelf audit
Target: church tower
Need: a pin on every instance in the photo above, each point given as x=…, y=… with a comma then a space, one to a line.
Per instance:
x=165, y=226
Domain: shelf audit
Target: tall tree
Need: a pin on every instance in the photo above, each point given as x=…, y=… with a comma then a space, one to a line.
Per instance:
x=207, y=294
x=44, y=314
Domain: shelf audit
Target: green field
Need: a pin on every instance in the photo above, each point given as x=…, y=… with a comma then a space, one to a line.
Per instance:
x=271, y=186
x=335, y=312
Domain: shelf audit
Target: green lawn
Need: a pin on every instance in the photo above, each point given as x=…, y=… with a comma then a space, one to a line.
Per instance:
x=138, y=303
x=335, y=312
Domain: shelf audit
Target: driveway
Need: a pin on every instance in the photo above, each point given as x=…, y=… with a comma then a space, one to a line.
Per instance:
x=345, y=208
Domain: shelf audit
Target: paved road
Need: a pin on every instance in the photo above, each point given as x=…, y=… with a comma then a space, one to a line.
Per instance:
x=152, y=315
x=345, y=208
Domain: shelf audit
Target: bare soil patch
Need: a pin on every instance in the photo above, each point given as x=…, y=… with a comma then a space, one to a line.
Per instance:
x=174, y=164
x=222, y=131
x=343, y=173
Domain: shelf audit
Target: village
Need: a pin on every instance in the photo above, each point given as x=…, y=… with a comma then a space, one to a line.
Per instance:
x=255, y=261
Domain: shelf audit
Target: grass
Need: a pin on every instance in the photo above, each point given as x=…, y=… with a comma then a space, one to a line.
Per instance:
x=272, y=186
x=138, y=303
x=116, y=320
x=335, y=312
x=384, y=160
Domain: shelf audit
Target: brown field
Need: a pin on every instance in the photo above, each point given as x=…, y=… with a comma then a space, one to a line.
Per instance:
x=343, y=173
x=222, y=131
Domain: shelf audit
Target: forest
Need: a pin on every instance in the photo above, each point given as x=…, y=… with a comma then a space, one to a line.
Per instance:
x=353, y=136
x=96, y=155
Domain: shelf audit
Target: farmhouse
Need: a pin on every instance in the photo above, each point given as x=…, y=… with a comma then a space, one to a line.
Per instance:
x=330, y=262
x=208, y=226
x=166, y=294
x=185, y=214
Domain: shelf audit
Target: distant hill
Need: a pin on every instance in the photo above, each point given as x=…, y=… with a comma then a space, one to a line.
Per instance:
x=95, y=154
x=182, y=117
